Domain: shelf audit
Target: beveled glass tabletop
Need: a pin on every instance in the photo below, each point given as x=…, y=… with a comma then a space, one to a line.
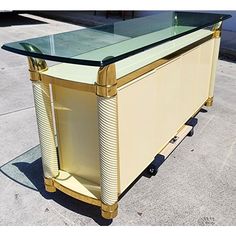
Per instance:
x=103, y=45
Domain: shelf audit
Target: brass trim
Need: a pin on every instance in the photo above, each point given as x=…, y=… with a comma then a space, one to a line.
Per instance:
x=77, y=195
x=35, y=70
x=49, y=185
x=109, y=212
x=48, y=181
x=50, y=189
x=143, y=70
x=106, y=91
x=109, y=215
x=34, y=75
x=68, y=84
x=209, y=102
x=216, y=29
x=217, y=34
x=106, y=207
x=36, y=65
x=106, y=85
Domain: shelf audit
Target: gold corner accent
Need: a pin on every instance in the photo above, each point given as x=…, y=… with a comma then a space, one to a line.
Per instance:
x=216, y=29
x=49, y=185
x=106, y=85
x=209, y=102
x=36, y=66
x=217, y=34
x=109, y=211
x=76, y=195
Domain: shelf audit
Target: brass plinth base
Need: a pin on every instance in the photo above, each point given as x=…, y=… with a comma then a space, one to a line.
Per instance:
x=109, y=212
x=209, y=102
x=49, y=186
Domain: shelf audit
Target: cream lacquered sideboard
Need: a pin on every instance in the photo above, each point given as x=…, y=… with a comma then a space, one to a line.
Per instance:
x=118, y=95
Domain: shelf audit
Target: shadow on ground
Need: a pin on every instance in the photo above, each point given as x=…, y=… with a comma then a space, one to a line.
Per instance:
x=26, y=170
x=12, y=18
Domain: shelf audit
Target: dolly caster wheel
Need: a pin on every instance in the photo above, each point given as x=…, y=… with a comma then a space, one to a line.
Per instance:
x=191, y=132
x=155, y=164
x=152, y=170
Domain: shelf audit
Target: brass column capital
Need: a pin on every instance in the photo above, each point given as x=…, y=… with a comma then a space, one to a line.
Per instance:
x=36, y=65
x=106, y=85
x=217, y=30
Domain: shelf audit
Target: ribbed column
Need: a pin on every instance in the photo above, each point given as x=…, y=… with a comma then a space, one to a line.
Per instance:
x=108, y=145
x=45, y=126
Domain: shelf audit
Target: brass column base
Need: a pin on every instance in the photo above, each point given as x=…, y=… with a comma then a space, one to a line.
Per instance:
x=49, y=186
x=109, y=212
x=209, y=102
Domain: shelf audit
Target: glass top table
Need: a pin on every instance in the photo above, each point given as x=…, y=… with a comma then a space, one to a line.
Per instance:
x=119, y=96
x=107, y=44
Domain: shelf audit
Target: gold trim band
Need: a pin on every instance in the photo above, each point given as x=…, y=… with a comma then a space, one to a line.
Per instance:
x=106, y=91
x=106, y=85
x=109, y=212
x=217, y=34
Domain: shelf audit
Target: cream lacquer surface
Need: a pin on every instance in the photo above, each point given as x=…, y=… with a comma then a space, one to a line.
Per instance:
x=153, y=108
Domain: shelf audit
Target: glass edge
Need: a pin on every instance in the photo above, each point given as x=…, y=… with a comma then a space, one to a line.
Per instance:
x=131, y=53
x=102, y=63
x=52, y=58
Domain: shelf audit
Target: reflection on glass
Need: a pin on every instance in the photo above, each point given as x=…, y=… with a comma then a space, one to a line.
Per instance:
x=119, y=40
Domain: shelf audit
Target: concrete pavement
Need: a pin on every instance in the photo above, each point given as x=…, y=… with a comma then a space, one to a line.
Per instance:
x=196, y=185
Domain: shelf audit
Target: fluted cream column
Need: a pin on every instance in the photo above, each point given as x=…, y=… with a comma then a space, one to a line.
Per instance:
x=45, y=127
x=108, y=139
x=41, y=93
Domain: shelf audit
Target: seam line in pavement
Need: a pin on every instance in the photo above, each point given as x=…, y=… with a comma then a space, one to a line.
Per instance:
x=10, y=112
